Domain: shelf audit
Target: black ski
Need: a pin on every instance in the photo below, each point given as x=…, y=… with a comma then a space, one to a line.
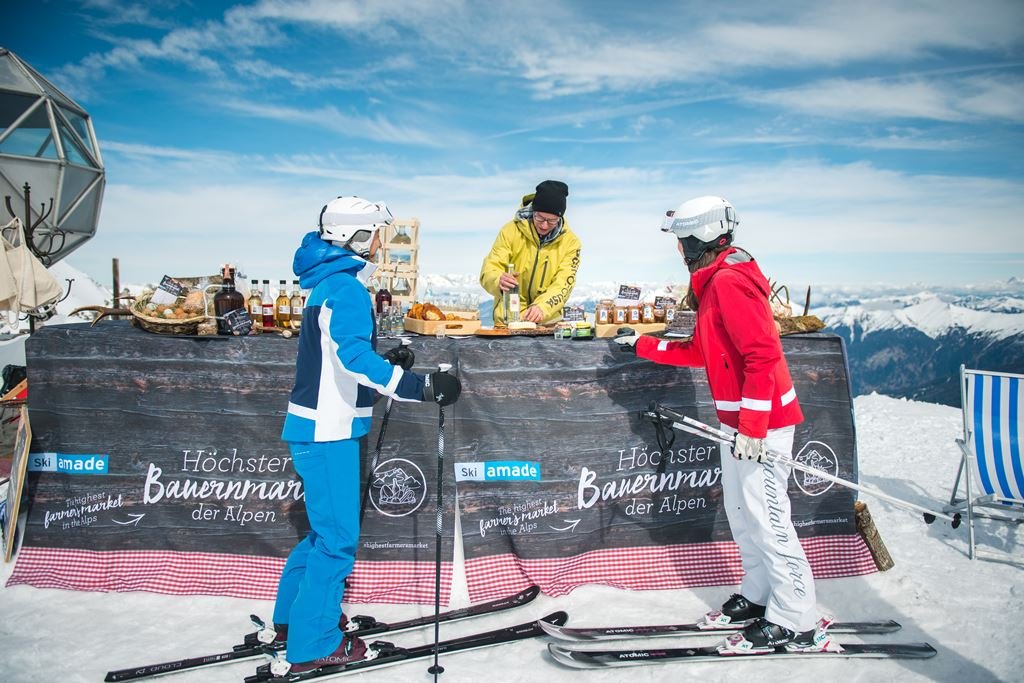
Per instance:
x=599, y=659
x=251, y=646
x=687, y=630
x=387, y=654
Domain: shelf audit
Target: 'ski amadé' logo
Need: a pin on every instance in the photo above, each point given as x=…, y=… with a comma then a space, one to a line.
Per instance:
x=820, y=456
x=398, y=487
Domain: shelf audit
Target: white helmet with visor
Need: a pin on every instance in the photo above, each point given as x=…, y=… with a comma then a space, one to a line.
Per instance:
x=353, y=222
x=701, y=224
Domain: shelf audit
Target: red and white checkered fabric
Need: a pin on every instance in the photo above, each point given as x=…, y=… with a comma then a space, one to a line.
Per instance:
x=652, y=568
x=236, y=576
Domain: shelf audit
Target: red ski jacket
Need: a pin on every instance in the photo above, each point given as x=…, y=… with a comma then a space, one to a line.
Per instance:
x=736, y=341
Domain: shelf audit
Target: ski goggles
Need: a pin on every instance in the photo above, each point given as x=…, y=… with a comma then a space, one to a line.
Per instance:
x=705, y=227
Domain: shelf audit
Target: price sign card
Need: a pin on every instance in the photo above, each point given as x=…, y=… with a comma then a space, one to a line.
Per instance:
x=573, y=313
x=628, y=295
x=665, y=302
x=168, y=291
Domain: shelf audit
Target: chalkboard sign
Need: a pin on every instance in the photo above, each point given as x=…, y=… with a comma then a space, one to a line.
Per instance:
x=628, y=294
x=238, y=321
x=573, y=313
x=14, y=486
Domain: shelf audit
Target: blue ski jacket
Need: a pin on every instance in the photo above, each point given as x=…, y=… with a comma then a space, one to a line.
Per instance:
x=338, y=369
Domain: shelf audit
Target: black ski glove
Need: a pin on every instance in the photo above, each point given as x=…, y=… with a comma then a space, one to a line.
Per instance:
x=441, y=388
x=401, y=356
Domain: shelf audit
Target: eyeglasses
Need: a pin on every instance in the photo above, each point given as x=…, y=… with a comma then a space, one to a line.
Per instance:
x=546, y=221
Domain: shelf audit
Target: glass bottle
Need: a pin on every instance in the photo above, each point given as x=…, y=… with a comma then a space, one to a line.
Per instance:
x=296, y=305
x=511, y=299
x=397, y=320
x=382, y=300
x=255, y=304
x=282, y=307
x=268, y=306
x=226, y=300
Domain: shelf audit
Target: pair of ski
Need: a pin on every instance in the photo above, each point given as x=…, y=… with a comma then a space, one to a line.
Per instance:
x=579, y=658
x=385, y=654
x=253, y=645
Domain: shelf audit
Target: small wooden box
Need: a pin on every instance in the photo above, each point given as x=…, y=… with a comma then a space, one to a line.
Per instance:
x=454, y=328
x=604, y=331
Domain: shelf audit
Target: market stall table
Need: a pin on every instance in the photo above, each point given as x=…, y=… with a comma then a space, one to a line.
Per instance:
x=157, y=465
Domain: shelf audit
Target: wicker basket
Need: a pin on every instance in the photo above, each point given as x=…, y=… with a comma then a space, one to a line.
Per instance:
x=157, y=325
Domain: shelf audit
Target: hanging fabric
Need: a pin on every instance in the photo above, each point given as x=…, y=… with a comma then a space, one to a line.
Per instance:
x=25, y=283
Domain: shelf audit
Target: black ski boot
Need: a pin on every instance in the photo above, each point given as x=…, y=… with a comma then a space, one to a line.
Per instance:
x=740, y=610
x=765, y=635
x=737, y=611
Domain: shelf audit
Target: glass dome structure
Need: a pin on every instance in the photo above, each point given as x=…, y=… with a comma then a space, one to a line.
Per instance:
x=47, y=141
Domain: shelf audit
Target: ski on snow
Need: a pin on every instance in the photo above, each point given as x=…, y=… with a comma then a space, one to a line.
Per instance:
x=599, y=659
x=361, y=626
x=695, y=629
x=383, y=654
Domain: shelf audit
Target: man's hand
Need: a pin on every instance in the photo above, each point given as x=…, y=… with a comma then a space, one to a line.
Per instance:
x=533, y=314
x=507, y=281
x=749, y=448
x=401, y=356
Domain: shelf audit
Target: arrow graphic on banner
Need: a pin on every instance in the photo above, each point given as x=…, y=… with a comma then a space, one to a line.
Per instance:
x=134, y=519
x=571, y=527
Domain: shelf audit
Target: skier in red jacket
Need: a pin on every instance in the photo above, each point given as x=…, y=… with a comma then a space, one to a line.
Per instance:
x=736, y=341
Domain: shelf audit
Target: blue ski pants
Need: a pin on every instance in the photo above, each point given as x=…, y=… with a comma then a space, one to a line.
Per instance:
x=313, y=580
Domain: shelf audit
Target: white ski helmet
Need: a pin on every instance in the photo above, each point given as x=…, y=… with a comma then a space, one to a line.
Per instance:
x=701, y=224
x=352, y=222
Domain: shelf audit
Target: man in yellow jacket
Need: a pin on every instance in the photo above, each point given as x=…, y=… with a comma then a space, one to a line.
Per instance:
x=545, y=254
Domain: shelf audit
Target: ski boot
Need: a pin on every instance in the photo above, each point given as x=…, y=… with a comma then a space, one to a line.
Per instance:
x=763, y=636
x=737, y=611
x=351, y=649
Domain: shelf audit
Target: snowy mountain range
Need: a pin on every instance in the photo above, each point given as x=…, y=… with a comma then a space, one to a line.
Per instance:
x=907, y=342
x=912, y=345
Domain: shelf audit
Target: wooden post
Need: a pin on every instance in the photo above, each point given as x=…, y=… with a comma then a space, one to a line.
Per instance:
x=115, y=266
x=807, y=301
x=866, y=528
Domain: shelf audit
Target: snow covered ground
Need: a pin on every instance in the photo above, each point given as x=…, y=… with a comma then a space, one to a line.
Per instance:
x=906, y=449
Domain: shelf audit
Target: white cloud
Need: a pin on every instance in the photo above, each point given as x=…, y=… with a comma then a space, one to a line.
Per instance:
x=945, y=99
x=195, y=220
x=330, y=118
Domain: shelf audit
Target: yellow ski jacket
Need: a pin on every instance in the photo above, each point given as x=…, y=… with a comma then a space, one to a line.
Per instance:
x=547, y=273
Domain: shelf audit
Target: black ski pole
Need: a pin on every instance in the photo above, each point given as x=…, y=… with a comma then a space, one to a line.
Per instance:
x=437, y=668
x=376, y=454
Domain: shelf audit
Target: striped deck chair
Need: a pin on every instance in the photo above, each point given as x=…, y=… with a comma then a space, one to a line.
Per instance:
x=993, y=409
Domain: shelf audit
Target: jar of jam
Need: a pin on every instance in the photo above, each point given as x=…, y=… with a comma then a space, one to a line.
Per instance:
x=605, y=312
x=621, y=315
x=659, y=314
x=647, y=313
x=670, y=315
x=634, y=314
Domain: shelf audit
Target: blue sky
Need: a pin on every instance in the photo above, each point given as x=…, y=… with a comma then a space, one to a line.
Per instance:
x=851, y=137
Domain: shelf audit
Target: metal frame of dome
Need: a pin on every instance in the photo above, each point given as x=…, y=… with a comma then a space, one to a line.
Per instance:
x=47, y=141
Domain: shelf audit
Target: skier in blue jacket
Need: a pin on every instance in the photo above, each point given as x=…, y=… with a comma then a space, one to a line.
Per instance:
x=337, y=373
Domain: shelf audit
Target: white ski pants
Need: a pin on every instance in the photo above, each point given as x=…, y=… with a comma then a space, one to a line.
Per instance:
x=776, y=572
